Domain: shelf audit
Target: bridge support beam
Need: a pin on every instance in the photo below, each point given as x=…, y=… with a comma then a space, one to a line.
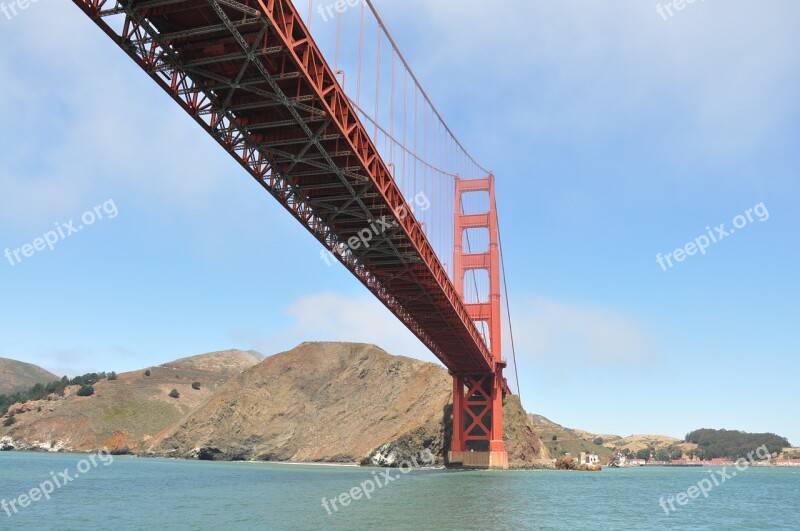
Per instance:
x=478, y=399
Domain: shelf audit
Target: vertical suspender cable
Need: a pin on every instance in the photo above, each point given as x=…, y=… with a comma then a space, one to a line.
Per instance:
x=415, y=139
x=338, y=40
x=416, y=81
x=378, y=84
x=405, y=123
x=392, y=110
x=360, y=55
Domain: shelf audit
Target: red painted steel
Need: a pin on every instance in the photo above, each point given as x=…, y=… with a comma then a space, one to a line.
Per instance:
x=250, y=74
x=478, y=414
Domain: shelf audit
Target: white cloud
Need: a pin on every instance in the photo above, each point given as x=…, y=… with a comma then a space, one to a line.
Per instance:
x=330, y=316
x=74, y=361
x=577, y=335
x=546, y=330
x=715, y=80
x=725, y=74
x=89, y=124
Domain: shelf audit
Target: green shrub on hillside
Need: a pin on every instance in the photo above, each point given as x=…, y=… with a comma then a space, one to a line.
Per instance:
x=174, y=394
x=42, y=391
x=86, y=390
x=645, y=453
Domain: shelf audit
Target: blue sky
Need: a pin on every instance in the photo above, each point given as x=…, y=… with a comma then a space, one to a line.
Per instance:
x=615, y=135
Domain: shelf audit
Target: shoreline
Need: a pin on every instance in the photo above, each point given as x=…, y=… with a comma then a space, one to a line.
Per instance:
x=132, y=455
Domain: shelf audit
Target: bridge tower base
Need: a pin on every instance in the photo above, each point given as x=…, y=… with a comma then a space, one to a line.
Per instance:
x=478, y=399
x=477, y=440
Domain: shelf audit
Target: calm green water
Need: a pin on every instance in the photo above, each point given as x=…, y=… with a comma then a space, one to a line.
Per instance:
x=162, y=494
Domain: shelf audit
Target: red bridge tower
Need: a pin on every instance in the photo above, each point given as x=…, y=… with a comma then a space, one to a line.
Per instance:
x=478, y=398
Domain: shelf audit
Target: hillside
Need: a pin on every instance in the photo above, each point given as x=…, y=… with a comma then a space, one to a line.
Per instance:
x=224, y=364
x=332, y=402
x=320, y=402
x=123, y=413
x=634, y=443
x=733, y=444
x=560, y=440
x=18, y=376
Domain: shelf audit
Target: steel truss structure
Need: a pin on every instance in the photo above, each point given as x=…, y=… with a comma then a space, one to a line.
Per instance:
x=250, y=74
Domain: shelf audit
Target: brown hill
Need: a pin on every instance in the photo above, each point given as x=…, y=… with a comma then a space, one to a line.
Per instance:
x=635, y=443
x=224, y=363
x=18, y=376
x=560, y=440
x=320, y=402
x=332, y=402
x=123, y=413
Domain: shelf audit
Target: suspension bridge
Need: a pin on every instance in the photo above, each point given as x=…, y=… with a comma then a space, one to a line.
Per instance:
x=340, y=131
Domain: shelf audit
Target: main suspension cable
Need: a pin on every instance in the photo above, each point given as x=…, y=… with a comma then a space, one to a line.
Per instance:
x=416, y=81
x=508, y=305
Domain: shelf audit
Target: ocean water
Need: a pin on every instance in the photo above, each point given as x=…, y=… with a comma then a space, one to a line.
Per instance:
x=133, y=493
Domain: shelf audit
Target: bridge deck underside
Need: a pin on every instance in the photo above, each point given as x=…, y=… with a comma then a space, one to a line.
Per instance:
x=251, y=75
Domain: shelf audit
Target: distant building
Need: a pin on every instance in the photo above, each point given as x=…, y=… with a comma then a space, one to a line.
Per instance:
x=720, y=461
x=787, y=462
x=589, y=459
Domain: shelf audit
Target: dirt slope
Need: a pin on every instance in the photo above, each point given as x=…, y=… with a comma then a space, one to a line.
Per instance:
x=560, y=440
x=635, y=443
x=320, y=402
x=331, y=402
x=124, y=413
x=18, y=376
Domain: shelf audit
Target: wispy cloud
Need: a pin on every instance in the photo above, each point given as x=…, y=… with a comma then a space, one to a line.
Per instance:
x=545, y=330
x=102, y=130
x=331, y=316
x=718, y=80
x=73, y=361
x=550, y=331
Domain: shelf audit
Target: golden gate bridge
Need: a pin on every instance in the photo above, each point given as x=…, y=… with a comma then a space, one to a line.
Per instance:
x=300, y=115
